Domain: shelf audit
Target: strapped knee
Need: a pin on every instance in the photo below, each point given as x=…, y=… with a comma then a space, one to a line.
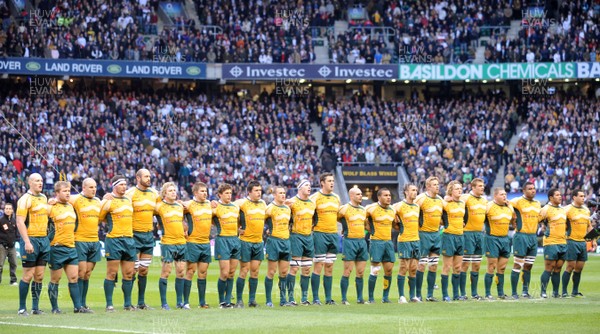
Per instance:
x=306, y=263
x=375, y=270
x=295, y=263
x=320, y=258
x=520, y=262
x=423, y=261
x=530, y=260
x=330, y=258
x=144, y=262
x=433, y=261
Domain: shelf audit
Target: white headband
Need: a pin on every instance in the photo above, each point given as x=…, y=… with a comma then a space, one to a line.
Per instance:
x=117, y=182
x=302, y=183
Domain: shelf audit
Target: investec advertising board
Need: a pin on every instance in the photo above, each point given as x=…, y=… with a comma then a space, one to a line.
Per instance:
x=309, y=71
x=382, y=72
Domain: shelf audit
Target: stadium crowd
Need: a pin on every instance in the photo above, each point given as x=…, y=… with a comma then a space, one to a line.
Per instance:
x=558, y=147
x=456, y=139
x=187, y=138
x=570, y=35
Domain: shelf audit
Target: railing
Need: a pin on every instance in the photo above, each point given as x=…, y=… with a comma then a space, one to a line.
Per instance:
x=346, y=164
x=374, y=30
x=210, y=29
x=322, y=31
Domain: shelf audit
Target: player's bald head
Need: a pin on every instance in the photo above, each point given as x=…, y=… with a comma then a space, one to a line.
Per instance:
x=142, y=172
x=34, y=177
x=88, y=182
x=354, y=190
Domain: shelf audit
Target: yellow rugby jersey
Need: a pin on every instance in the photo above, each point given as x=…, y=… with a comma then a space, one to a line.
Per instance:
x=252, y=219
x=578, y=222
x=144, y=202
x=225, y=218
x=431, y=212
x=555, y=220
x=200, y=222
x=527, y=213
x=34, y=209
x=475, y=212
x=88, y=211
x=497, y=219
x=380, y=220
x=118, y=214
x=278, y=220
x=326, y=213
x=353, y=220
x=409, y=221
x=63, y=224
x=454, y=217
x=302, y=215
x=170, y=220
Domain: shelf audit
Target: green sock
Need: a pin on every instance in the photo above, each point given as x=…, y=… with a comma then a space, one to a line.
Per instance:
x=401, y=280
x=514, y=281
x=222, y=289
x=327, y=285
x=430, y=283
x=555, y=282
x=53, y=294
x=239, y=289
x=387, y=285
x=201, y=283
x=127, y=289
x=463, y=284
x=23, y=292
x=84, y=291
x=372, y=282
x=36, y=291
x=526, y=281
x=544, y=280
x=576, y=280
x=488, y=284
x=566, y=277
x=359, y=288
x=253, y=283
x=282, y=289
x=500, y=284
x=187, y=289
x=315, y=280
x=419, y=283
x=162, y=288
x=412, y=282
x=344, y=287
x=75, y=295
x=304, y=281
x=444, y=285
x=142, y=281
x=229, y=290
x=179, y=290
x=455, y=285
x=80, y=286
x=269, y=288
x=109, y=288
x=474, y=282
x=291, y=283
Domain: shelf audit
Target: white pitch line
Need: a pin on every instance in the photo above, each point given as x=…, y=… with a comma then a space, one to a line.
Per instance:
x=72, y=327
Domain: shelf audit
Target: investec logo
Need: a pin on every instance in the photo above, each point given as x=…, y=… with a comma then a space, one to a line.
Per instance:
x=354, y=71
x=267, y=72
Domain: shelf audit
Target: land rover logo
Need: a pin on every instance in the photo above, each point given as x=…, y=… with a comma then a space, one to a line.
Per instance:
x=33, y=66
x=114, y=69
x=193, y=70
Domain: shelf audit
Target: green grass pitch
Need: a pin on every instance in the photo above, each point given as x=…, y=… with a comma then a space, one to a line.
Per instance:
x=573, y=315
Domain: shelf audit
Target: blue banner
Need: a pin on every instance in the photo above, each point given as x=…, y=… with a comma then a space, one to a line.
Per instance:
x=310, y=71
x=102, y=68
